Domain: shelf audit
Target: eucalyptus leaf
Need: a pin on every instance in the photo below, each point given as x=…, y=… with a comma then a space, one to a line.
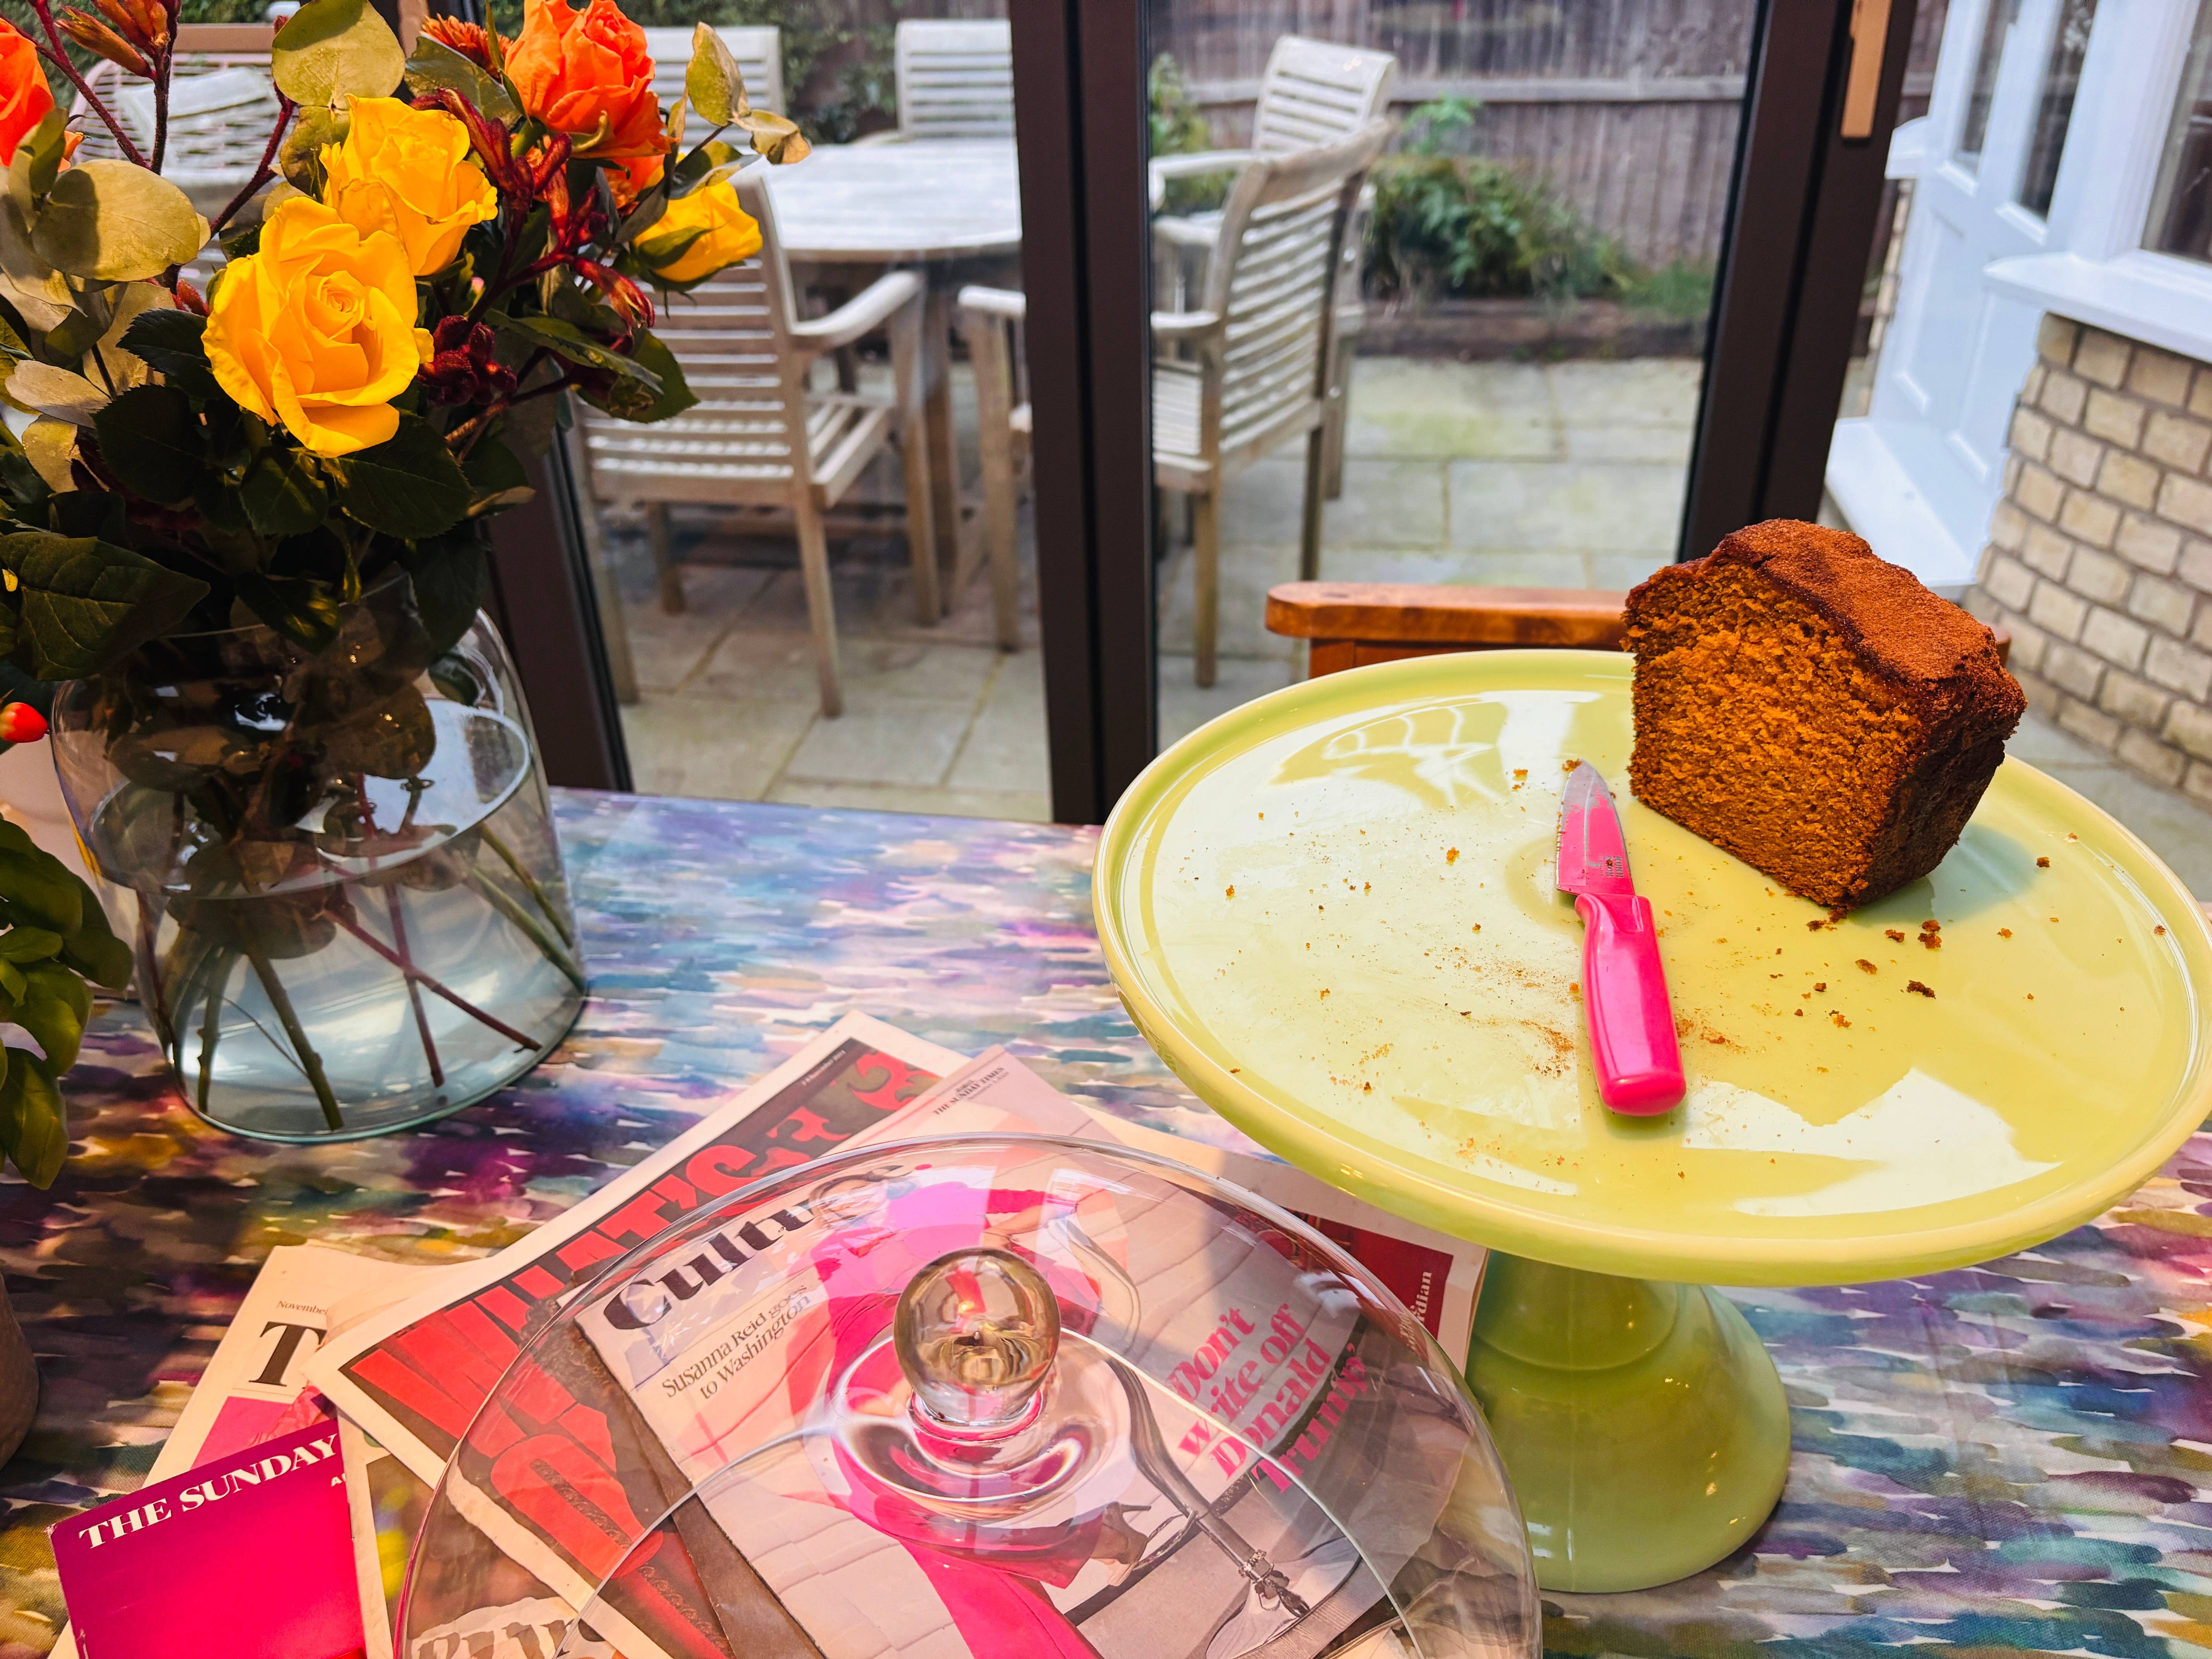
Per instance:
x=409, y=487
x=37, y=161
x=150, y=439
x=776, y=139
x=34, y=1124
x=37, y=890
x=85, y=604
x=60, y=393
x=119, y=223
x=433, y=66
x=299, y=158
x=334, y=49
x=713, y=83
x=49, y=446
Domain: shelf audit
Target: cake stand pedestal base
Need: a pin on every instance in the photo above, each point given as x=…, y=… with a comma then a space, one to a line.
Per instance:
x=1643, y=1423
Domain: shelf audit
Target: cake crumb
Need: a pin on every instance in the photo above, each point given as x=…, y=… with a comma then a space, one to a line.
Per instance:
x=2005, y=932
x=2031, y=996
x=1451, y=856
x=1820, y=985
x=1919, y=989
x=1822, y=1070
x=1816, y=924
x=1231, y=892
x=1324, y=996
x=1800, y=1012
x=1897, y=934
x=1837, y=1015
x=1865, y=966
x=1366, y=1088
x=2042, y=864
x=2160, y=930
x=1575, y=991
x=1478, y=927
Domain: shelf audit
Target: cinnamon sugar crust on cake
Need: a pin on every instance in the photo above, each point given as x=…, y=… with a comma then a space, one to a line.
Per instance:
x=1815, y=710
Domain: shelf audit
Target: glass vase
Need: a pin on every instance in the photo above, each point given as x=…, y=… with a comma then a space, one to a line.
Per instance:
x=350, y=912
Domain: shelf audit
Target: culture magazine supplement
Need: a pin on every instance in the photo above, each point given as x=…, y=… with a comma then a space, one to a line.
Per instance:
x=248, y=1553
x=414, y=1374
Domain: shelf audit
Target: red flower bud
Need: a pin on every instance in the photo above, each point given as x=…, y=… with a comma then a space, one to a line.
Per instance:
x=20, y=723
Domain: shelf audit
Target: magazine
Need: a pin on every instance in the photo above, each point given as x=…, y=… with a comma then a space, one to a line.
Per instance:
x=251, y=1387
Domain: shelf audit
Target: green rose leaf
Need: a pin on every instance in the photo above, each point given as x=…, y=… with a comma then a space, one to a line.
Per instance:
x=283, y=495
x=87, y=602
x=115, y=222
x=673, y=397
x=300, y=608
x=578, y=347
x=713, y=84
x=435, y=65
x=497, y=477
x=450, y=576
x=334, y=49
x=33, y=1125
x=93, y=950
x=393, y=738
x=150, y=439
x=36, y=889
x=410, y=487
x=170, y=342
x=25, y=945
x=53, y=1008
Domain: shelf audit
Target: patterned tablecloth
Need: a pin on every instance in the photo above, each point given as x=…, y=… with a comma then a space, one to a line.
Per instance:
x=2004, y=1458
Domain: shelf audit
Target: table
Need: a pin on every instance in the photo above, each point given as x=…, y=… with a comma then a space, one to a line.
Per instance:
x=1987, y=1457
x=1333, y=911
x=951, y=207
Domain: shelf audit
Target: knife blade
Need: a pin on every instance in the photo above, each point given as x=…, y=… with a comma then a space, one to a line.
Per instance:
x=1632, y=1021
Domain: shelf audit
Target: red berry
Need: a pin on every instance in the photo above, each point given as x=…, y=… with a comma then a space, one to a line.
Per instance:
x=20, y=723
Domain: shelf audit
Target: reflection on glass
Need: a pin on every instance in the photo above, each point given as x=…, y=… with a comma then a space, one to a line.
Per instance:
x=1996, y=29
x=2054, y=108
x=2181, y=209
x=772, y=625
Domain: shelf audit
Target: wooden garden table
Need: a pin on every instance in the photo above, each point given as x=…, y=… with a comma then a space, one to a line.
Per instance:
x=2003, y=1457
x=950, y=207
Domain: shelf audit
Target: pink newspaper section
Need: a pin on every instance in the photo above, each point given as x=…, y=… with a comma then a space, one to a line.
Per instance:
x=248, y=1554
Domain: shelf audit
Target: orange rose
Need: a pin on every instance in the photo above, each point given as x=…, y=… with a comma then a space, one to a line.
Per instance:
x=587, y=74
x=25, y=98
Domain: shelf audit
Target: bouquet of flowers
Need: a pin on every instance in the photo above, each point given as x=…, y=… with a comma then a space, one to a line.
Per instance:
x=434, y=249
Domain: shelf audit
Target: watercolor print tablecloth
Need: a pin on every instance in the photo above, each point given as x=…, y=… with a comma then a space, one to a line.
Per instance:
x=2005, y=1458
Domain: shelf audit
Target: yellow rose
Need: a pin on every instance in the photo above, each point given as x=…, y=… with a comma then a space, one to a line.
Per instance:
x=730, y=233
x=316, y=329
x=408, y=171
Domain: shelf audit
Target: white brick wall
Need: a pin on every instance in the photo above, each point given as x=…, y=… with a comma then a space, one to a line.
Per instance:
x=2099, y=560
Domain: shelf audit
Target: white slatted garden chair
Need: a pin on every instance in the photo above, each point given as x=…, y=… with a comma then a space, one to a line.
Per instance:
x=990, y=318
x=222, y=105
x=1243, y=372
x=954, y=79
x=1313, y=92
x=760, y=436
x=759, y=52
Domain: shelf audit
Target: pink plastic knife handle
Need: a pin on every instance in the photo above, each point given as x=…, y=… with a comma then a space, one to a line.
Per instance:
x=1631, y=1023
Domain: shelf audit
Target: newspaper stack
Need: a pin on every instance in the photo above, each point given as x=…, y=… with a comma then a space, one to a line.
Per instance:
x=406, y=1356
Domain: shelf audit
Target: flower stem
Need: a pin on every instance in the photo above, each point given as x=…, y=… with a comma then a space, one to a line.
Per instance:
x=414, y=990
x=529, y=925
x=262, y=173
x=415, y=976
x=310, y=1061
x=58, y=54
x=552, y=913
x=211, y=1018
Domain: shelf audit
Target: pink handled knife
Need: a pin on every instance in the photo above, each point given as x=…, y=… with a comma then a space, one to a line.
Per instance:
x=1631, y=1023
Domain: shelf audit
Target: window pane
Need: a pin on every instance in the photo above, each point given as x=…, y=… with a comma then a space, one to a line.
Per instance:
x=1997, y=28
x=2054, y=109
x=2181, y=210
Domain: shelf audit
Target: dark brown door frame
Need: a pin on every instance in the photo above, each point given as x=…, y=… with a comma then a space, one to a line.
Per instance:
x=1802, y=213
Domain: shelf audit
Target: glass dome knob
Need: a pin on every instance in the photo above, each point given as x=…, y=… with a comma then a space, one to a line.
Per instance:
x=976, y=1332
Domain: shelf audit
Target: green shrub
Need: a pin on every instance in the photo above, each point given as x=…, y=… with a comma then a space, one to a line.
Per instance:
x=1178, y=127
x=1460, y=225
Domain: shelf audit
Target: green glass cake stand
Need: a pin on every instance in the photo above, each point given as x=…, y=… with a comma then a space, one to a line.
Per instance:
x=1332, y=912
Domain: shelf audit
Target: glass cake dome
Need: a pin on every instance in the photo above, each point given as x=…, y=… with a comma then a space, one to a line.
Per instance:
x=1012, y=1397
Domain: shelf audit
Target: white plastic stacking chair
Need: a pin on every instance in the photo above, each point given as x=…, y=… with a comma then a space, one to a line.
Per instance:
x=759, y=437
x=954, y=79
x=1313, y=92
x=759, y=52
x=1240, y=375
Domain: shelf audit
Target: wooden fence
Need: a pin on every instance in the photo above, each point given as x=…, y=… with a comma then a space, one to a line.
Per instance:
x=1628, y=108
